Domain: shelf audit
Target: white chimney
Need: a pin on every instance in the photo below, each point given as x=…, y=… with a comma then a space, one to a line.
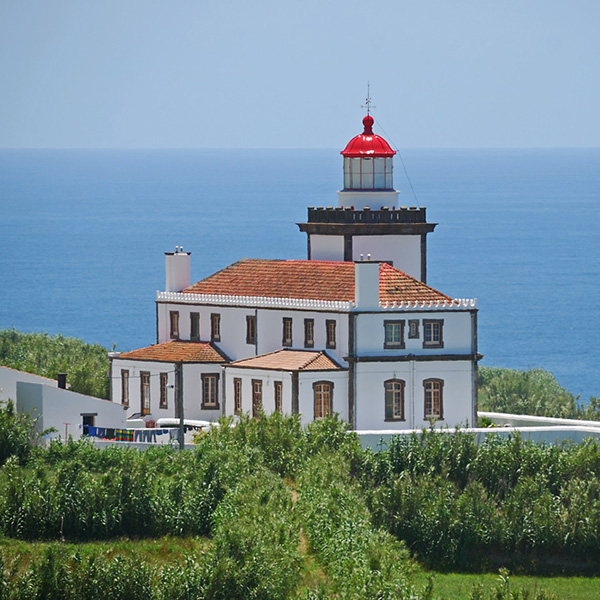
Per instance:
x=366, y=285
x=177, y=266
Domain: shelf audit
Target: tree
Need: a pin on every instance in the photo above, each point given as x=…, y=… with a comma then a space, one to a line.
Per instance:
x=533, y=392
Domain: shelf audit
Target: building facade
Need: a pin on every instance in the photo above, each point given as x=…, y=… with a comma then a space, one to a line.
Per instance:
x=354, y=329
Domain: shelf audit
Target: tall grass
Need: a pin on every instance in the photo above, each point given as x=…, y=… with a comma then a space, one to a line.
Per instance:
x=506, y=502
x=361, y=561
x=452, y=503
x=16, y=434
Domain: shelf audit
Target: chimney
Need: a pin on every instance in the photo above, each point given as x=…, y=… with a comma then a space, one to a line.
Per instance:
x=177, y=266
x=366, y=284
x=62, y=380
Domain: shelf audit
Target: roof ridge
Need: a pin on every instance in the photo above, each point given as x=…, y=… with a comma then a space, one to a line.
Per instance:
x=414, y=279
x=239, y=360
x=170, y=342
x=311, y=359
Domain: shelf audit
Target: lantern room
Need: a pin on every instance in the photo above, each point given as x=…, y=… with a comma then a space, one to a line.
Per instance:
x=368, y=171
x=368, y=161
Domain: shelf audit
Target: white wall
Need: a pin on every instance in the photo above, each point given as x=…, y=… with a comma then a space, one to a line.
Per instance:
x=55, y=407
x=306, y=398
x=270, y=330
x=539, y=435
x=268, y=378
x=403, y=250
x=192, y=388
x=134, y=368
x=10, y=377
x=305, y=390
x=269, y=324
x=457, y=332
x=327, y=247
x=370, y=393
x=192, y=391
x=513, y=420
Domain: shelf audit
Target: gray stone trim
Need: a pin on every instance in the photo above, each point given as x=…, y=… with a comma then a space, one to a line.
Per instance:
x=366, y=228
x=409, y=357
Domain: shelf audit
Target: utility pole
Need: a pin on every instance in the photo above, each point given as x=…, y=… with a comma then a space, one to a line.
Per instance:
x=179, y=392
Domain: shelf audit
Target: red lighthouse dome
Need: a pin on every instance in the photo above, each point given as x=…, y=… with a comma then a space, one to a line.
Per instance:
x=367, y=143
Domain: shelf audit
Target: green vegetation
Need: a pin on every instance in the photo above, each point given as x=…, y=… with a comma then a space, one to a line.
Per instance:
x=534, y=392
x=170, y=569
x=16, y=434
x=42, y=354
x=459, y=586
x=268, y=509
x=512, y=503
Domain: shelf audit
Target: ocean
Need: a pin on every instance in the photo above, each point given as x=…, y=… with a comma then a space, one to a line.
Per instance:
x=83, y=235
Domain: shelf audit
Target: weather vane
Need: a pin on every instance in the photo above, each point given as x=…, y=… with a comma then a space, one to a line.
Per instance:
x=367, y=103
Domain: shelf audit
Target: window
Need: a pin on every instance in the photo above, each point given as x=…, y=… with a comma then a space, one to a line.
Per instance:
x=210, y=391
x=278, y=392
x=434, y=406
x=215, y=327
x=195, y=326
x=164, y=382
x=287, y=331
x=174, y=319
x=413, y=329
x=330, y=325
x=309, y=333
x=323, y=391
x=394, y=400
x=251, y=329
x=145, y=392
x=237, y=395
x=124, y=387
x=432, y=333
x=89, y=419
x=256, y=397
x=394, y=334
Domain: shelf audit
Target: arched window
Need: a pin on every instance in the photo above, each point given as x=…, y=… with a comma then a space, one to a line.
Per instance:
x=434, y=402
x=323, y=391
x=394, y=400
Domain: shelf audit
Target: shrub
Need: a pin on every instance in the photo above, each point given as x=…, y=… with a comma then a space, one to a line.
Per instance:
x=16, y=434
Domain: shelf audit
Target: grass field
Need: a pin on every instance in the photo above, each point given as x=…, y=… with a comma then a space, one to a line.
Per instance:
x=455, y=586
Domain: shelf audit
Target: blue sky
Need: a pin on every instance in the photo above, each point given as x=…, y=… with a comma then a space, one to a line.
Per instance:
x=279, y=74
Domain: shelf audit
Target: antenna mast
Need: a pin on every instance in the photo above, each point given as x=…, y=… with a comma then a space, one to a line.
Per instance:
x=368, y=101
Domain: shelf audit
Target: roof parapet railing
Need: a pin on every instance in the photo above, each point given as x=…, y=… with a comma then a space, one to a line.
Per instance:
x=456, y=304
x=262, y=301
x=311, y=304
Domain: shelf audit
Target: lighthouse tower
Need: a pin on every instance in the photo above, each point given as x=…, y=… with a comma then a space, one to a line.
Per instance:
x=368, y=223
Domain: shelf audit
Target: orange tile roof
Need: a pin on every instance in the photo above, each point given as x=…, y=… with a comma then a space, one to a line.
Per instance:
x=309, y=279
x=174, y=351
x=290, y=360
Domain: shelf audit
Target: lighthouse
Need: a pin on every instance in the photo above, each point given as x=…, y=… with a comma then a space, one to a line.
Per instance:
x=368, y=222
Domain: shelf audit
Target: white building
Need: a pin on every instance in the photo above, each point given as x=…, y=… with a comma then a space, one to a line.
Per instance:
x=52, y=406
x=367, y=339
